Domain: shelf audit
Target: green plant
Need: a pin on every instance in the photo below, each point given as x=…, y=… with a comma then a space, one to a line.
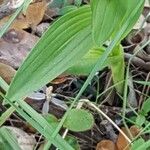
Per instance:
x=7, y=140
x=142, y=115
x=61, y=47
x=140, y=144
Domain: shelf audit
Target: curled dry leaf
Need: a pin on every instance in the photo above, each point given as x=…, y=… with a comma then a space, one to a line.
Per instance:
x=122, y=143
x=33, y=16
x=14, y=47
x=106, y=145
x=7, y=72
x=60, y=79
x=25, y=141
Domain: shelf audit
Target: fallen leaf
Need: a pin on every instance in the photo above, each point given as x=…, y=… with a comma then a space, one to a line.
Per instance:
x=25, y=141
x=14, y=47
x=7, y=72
x=106, y=145
x=33, y=16
x=1, y=2
x=134, y=130
x=60, y=79
x=122, y=143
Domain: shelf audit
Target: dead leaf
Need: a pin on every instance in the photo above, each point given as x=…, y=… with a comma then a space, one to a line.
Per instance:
x=139, y=23
x=33, y=16
x=122, y=143
x=134, y=130
x=146, y=3
x=7, y=72
x=14, y=47
x=25, y=141
x=60, y=79
x=1, y=2
x=106, y=145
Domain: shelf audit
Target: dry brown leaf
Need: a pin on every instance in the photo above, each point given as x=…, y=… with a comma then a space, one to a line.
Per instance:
x=122, y=143
x=7, y=72
x=106, y=145
x=33, y=16
x=60, y=79
x=1, y=2
x=134, y=130
x=14, y=46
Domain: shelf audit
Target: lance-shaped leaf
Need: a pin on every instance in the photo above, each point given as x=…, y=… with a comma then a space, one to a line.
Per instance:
x=86, y=64
x=118, y=68
x=115, y=61
x=127, y=7
x=104, y=18
x=67, y=40
x=108, y=16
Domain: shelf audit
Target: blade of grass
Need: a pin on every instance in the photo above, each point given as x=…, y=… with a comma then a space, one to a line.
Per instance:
x=6, y=26
x=35, y=120
x=143, y=82
x=126, y=86
x=10, y=21
x=11, y=141
x=39, y=123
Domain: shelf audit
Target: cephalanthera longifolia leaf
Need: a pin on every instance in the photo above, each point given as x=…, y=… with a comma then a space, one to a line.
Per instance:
x=108, y=16
x=127, y=7
x=67, y=40
x=118, y=68
x=86, y=64
x=104, y=14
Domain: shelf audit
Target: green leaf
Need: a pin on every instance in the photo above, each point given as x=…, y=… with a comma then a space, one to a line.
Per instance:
x=73, y=142
x=77, y=2
x=7, y=140
x=52, y=120
x=118, y=68
x=104, y=13
x=144, y=146
x=146, y=106
x=108, y=16
x=137, y=143
x=143, y=82
x=128, y=6
x=68, y=39
x=79, y=120
x=86, y=64
x=115, y=61
x=140, y=120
